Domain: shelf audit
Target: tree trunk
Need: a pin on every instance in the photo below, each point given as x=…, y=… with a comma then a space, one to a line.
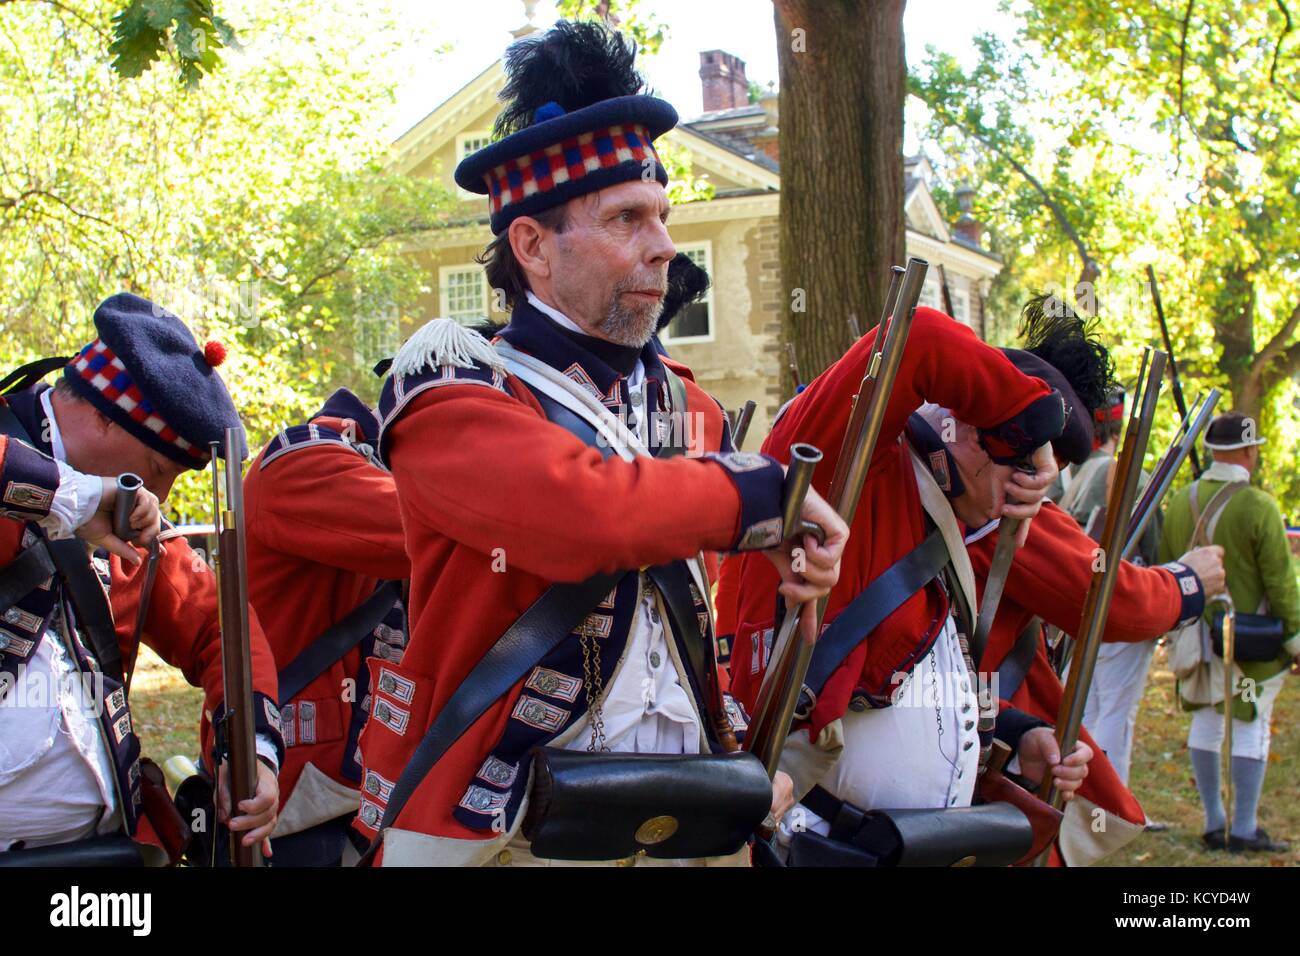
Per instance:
x=843, y=82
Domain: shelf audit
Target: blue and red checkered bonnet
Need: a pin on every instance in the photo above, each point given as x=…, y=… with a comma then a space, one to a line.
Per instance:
x=565, y=153
x=147, y=374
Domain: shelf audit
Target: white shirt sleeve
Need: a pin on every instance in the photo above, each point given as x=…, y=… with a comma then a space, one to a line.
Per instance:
x=74, y=502
x=267, y=749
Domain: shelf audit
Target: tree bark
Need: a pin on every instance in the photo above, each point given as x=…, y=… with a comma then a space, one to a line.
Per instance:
x=843, y=82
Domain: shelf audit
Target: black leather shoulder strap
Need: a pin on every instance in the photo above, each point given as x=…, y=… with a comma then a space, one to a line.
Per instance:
x=882, y=597
x=24, y=574
x=336, y=640
x=1015, y=666
x=31, y=373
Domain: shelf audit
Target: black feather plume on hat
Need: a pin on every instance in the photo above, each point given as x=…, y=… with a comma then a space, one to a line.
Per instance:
x=1051, y=330
x=574, y=64
x=687, y=283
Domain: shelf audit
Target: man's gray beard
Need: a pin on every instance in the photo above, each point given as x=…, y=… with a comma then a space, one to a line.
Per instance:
x=629, y=327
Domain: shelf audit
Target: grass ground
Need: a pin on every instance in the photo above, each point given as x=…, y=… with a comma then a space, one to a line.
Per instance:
x=166, y=711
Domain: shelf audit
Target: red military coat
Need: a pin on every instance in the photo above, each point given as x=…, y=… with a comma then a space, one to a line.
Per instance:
x=1049, y=578
x=323, y=531
x=944, y=362
x=498, y=503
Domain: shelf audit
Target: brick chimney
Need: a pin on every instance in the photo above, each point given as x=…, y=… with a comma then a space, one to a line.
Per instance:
x=769, y=139
x=968, y=227
x=722, y=76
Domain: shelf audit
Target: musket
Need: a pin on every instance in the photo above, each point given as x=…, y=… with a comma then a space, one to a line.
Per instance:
x=783, y=684
x=740, y=428
x=1173, y=365
x=1229, y=694
x=1096, y=606
x=947, y=295
x=854, y=330
x=231, y=566
x=128, y=485
x=794, y=365
x=1183, y=446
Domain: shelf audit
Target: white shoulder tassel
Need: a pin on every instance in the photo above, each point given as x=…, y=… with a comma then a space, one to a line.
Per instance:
x=444, y=342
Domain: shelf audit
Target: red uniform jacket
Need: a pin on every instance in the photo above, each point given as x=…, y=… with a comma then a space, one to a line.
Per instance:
x=323, y=530
x=1049, y=578
x=944, y=362
x=498, y=503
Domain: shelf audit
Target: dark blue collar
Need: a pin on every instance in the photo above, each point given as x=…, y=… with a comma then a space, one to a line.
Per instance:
x=343, y=404
x=601, y=363
x=28, y=410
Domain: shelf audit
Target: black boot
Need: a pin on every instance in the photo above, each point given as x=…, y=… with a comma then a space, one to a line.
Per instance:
x=1214, y=840
x=1261, y=842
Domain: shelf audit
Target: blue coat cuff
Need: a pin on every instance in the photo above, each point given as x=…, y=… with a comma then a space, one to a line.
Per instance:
x=28, y=481
x=266, y=723
x=759, y=480
x=1189, y=590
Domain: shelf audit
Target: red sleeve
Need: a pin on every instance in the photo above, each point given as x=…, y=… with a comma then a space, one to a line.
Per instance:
x=182, y=624
x=329, y=505
x=1051, y=574
x=728, y=597
x=500, y=476
x=943, y=362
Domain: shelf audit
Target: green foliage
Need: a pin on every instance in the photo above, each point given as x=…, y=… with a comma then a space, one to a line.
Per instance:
x=188, y=30
x=1163, y=133
x=622, y=15
x=258, y=207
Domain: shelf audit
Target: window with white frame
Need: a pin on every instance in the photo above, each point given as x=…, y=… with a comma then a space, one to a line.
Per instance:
x=694, y=323
x=931, y=294
x=467, y=143
x=463, y=293
x=379, y=333
x=961, y=305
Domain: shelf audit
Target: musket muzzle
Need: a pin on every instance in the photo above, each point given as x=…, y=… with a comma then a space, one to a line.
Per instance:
x=127, y=486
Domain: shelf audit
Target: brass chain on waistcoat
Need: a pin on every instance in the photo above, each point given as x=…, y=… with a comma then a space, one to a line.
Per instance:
x=593, y=685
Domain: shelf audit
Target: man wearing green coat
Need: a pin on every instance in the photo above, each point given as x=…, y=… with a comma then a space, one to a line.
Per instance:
x=1222, y=508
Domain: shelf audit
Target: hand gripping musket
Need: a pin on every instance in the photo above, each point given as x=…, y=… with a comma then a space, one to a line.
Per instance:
x=999, y=568
x=1179, y=402
x=236, y=657
x=782, y=686
x=1096, y=605
x=740, y=428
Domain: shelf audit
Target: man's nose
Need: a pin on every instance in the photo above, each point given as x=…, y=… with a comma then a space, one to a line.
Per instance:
x=660, y=248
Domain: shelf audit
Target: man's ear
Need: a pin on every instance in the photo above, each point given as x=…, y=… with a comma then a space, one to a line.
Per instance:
x=525, y=236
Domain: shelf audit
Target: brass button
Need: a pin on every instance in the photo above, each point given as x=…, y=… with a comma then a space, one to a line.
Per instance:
x=965, y=861
x=656, y=830
x=503, y=858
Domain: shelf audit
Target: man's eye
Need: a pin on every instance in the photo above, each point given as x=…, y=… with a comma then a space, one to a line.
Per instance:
x=625, y=215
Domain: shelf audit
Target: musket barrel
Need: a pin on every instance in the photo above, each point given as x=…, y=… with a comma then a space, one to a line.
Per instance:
x=743, y=418
x=128, y=485
x=236, y=656
x=1097, y=604
x=1163, y=480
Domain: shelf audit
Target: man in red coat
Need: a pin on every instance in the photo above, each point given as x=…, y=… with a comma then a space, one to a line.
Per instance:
x=566, y=451
x=142, y=398
x=893, y=721
x=1049, y=578
x=326, y=557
